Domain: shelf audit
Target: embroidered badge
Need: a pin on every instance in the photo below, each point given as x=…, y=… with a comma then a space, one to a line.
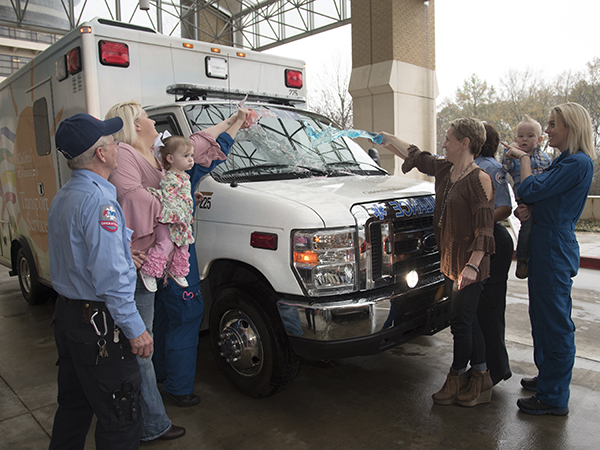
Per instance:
x=501, y=177
x=108, y=218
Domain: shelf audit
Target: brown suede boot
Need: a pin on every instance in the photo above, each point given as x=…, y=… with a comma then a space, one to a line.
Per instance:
x=479, y=390
x=454, y=384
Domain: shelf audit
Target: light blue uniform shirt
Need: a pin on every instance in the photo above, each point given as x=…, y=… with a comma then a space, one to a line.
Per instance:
x=498, y=175
x=89, y=250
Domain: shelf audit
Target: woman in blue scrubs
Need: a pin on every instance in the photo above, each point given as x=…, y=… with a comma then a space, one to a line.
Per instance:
x=559, y=195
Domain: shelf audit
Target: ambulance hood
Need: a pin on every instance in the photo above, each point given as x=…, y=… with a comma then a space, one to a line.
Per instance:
x=332, y=198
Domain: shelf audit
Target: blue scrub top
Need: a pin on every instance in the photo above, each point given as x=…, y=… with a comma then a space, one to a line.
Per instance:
x=498, y=175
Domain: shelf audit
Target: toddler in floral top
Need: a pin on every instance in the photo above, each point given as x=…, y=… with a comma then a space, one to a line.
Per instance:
x=174, y=230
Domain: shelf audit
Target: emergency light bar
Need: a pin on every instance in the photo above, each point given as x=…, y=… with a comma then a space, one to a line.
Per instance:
x=192, y=91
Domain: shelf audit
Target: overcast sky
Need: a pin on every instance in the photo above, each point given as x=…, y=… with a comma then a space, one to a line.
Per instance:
x=489, y=38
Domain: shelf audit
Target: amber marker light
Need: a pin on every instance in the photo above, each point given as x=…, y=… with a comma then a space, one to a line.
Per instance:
x=241, y=54
x=310, y=258
x=84, y=30
x=215, y=50
x=188, y=45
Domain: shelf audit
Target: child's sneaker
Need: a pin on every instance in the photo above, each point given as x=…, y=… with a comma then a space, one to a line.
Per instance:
x=521, y=271
x=181, y=281
x=149, y=282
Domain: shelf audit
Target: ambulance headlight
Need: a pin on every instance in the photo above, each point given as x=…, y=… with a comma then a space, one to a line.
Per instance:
x=325, y=260
x=412, y=279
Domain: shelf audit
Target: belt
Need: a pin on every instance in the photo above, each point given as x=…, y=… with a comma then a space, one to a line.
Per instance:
x=87, y=307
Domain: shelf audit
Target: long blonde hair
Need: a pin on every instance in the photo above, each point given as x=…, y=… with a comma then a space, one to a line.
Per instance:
x=130, y=112
x=579, y=123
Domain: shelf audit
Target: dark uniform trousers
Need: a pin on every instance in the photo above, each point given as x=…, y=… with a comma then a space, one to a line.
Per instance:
x=89, y=384
x=492, y=306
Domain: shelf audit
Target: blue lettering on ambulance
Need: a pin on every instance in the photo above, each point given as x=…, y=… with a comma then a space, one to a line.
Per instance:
x=398, y=208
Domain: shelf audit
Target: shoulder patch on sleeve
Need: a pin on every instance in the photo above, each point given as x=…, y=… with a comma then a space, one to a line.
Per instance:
x=501, y=177
x=108, y=218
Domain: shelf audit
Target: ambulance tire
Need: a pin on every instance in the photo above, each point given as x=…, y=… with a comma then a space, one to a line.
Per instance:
x=34, y=292
x=249, y=342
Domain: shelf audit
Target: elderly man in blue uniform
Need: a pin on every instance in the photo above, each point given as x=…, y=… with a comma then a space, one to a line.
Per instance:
x=98, y=329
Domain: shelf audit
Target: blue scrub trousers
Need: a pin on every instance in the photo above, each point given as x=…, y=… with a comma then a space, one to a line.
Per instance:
x=177, y=320
x=554, y=261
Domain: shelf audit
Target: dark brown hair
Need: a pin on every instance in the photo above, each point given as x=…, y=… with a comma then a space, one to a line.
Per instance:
x=492, y=141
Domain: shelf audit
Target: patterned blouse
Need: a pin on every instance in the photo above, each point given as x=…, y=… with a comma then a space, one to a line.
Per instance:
x=468, y=222
x=175, y=194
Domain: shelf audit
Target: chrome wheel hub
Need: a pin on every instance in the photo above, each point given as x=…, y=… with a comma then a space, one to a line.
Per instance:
x=239, y=343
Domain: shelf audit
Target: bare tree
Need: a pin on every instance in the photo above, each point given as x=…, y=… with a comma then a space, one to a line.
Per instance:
x=330, y=95
x=525, y=93
x=474, y=99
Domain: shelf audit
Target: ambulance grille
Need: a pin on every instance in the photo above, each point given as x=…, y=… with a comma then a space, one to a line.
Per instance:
x=400, y=246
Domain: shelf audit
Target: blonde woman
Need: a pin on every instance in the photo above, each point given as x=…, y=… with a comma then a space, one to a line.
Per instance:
x=559, y=195
x=137, y=170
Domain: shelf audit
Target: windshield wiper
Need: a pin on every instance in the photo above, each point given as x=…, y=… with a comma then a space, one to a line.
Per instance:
x=269, y=168
x=353, y=166
x=291, y=169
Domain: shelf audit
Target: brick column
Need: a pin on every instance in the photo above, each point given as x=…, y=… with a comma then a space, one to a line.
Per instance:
x=393, y=80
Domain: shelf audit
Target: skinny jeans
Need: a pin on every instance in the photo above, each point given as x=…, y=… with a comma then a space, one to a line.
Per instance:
x=469, y=344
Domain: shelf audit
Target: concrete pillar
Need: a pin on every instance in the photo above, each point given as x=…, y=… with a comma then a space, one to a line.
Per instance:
x=393, y=80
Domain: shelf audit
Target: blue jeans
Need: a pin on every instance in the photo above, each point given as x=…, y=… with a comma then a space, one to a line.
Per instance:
x=469, y=344
x=155, y=421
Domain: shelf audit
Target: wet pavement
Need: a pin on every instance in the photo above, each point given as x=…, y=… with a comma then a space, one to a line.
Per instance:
x=376, y=402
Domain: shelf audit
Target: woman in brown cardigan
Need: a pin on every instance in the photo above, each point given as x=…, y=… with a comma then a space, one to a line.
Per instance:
x=463, y=227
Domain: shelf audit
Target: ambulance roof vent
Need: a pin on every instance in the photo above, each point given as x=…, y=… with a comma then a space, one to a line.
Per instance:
x=192, y=91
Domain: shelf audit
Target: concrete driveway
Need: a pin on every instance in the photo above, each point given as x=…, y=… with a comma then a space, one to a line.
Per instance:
x=376, y=402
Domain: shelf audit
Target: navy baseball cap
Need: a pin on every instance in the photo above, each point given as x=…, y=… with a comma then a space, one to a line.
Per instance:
x=78, y=133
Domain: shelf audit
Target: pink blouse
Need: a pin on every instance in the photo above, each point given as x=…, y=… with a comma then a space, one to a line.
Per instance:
x=134, y=174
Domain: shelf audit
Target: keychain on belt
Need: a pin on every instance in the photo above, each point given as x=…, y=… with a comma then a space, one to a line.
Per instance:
x=102, y=352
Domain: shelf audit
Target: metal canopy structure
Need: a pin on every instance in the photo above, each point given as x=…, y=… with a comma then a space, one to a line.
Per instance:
x=252, y=24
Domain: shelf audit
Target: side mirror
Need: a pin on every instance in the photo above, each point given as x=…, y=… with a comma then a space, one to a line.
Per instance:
x=374, y=154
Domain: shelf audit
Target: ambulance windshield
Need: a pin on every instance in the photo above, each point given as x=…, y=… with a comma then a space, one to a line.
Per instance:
x=278, y=145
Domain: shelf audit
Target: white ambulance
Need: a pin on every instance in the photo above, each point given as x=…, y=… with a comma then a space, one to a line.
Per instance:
x=306, y=248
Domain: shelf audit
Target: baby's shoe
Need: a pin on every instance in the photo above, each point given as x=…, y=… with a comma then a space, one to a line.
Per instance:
x=149, y=282
x=181, y=281
x=521, y=271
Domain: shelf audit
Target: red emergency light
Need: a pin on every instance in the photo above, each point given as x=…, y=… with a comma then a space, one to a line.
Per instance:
x=74, y=61
x=293, y=78
x=113, y=53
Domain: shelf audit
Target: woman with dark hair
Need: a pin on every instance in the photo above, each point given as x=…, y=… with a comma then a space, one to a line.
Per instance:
x=492, y=302
x=559, y=194
x=463, y=228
